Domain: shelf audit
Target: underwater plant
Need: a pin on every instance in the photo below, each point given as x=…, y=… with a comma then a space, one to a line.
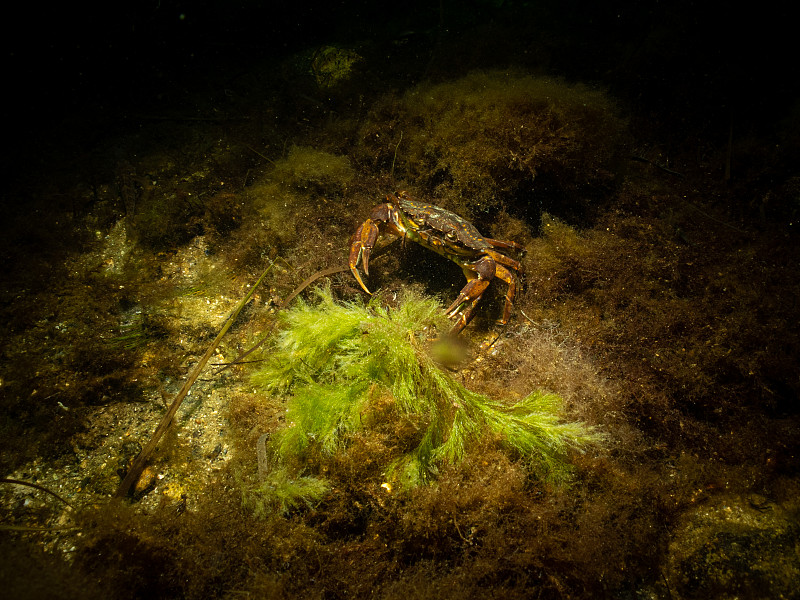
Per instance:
x=309, y=168
x=500, y=137
x=337, y=363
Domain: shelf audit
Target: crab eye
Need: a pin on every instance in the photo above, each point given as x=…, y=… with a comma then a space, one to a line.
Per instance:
x=450, y=235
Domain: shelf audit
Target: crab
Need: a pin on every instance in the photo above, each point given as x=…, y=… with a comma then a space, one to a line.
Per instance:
x=482, y=259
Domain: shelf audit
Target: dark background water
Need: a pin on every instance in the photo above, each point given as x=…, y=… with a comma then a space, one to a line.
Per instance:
x=695, y=63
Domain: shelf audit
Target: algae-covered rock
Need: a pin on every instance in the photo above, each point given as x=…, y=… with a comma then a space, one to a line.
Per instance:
x=736, y=548
x=496, y=137
x=332, y=66
x=314, y=171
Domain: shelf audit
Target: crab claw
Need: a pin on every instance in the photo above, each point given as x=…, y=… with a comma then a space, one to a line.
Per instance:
x=362, y=243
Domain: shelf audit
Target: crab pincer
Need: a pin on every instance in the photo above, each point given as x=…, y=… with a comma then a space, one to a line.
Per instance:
x=362, y=242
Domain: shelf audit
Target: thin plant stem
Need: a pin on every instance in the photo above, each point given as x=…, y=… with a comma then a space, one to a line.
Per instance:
x=140, y=461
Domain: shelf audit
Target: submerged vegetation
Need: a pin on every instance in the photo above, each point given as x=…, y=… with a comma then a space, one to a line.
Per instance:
x=345, y=366
x=656, y=308
x=308, y=168
x=495, y=138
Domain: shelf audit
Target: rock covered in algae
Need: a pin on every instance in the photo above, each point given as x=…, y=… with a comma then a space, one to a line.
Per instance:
x=495, y=138
x=734, y=547
x=332, y=65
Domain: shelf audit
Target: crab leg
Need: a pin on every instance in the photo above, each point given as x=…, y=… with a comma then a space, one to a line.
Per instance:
x=479, y=276
x=502, y=273
x=465, y=315
x=505, y=245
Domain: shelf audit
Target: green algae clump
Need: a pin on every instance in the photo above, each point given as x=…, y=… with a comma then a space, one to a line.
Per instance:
x=339, y=364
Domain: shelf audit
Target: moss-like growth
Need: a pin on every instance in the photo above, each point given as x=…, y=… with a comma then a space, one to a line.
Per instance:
x=280, y=492
x=309, y=169
x=496, y=137
x=285, y=203
x=338, y=364
x=332, y=66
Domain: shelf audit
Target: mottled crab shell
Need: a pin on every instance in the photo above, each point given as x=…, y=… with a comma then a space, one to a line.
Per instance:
x=452, y=229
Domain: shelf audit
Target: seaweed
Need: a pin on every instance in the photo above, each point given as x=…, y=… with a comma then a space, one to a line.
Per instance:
x=340, y=363
x=281, y=493
x=494, y=139
x=312, y=169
